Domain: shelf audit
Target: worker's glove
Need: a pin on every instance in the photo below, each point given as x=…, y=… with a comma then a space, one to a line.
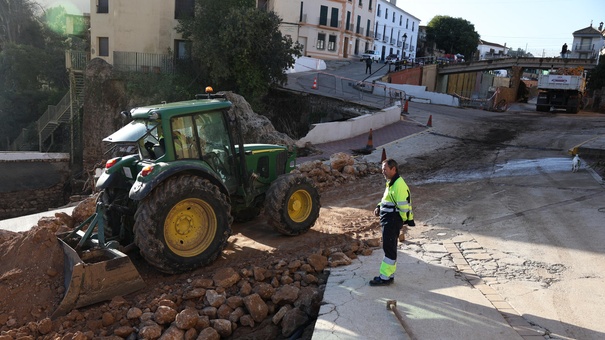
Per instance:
x=410, y=223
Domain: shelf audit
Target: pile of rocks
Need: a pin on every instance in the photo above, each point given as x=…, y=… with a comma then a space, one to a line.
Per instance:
x=271, y=302
x=255, y=128
x=341, y=168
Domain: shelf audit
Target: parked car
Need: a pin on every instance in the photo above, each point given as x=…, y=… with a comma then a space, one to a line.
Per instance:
x=391, y=59
x=372, y=54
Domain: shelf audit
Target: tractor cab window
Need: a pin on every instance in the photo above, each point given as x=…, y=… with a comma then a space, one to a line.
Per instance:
x=216, y=146
x=184, y=138
x=151, y=146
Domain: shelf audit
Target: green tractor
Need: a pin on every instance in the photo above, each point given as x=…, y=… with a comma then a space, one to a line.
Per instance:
x=181, y=176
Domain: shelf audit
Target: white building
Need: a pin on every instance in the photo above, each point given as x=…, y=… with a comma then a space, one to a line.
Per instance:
x=326, y=29
x=588, y=43
x=396, y=31
x=488, y=50
x=138, y=26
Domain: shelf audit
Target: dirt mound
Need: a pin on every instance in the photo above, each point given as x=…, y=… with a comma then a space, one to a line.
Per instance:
x=244, y=295
x=31, y=273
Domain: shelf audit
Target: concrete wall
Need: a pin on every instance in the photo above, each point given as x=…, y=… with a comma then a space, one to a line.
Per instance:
x=411, y=76
x=429, y=77
x=303, y=64
x=333, y=131
x=31, y=182
x=420, y=94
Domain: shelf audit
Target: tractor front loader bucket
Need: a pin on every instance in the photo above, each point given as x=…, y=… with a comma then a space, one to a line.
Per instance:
x=95, y=275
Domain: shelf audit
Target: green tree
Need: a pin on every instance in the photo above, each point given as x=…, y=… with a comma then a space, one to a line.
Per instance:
x=597, y=76
x=238, y=47
x=453, y=35
x=32, y=66
x=18, y=23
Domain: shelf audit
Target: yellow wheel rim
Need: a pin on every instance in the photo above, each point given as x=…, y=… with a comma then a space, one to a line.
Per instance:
x=190, y=227
x=299, y=206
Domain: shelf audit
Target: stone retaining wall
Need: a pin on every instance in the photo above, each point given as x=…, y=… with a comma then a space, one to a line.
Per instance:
x=32, y=182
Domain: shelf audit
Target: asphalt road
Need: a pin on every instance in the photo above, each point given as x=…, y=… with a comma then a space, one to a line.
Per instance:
x=505, y=180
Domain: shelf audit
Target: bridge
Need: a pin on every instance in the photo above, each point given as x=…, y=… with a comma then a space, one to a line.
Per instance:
x=521, y=62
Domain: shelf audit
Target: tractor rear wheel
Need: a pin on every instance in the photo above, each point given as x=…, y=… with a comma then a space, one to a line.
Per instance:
x=292, y=204
x=183, y=224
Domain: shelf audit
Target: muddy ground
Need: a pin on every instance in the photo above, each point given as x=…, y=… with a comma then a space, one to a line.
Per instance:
x=257, y=262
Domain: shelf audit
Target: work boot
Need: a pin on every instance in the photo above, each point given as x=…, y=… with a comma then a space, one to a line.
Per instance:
x=378, y=281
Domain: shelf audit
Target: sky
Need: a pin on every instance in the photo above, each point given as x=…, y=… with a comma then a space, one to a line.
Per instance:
x=71, y=6
x=540, y=27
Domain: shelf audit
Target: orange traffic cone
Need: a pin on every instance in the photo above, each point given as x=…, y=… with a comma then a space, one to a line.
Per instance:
x=430, y=122
x=314, y=87
x=370, y=144
x=384, y=156
x=368, y=148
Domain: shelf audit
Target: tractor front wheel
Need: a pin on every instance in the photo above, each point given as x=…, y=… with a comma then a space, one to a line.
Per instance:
x=292, y=204
x=183, y=224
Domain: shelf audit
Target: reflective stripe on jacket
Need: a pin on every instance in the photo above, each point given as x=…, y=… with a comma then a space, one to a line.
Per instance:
x=397, y=197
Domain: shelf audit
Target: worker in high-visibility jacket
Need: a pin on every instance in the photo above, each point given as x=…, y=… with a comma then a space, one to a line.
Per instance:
x=395, y=210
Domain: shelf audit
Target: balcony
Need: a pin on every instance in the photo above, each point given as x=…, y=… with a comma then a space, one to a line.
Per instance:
x=392, y=41
x=583, y=48
x=329, y=22
x=399, y=43
x=378, y=36
x=386, y=39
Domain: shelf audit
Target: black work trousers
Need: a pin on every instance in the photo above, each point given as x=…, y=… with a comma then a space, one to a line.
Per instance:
x=391, y=227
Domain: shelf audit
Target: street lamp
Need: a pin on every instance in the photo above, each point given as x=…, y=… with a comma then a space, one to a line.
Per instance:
x=405, y=36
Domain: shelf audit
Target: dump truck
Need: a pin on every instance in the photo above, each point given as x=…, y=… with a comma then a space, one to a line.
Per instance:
x=561, y=91
x=180, y=176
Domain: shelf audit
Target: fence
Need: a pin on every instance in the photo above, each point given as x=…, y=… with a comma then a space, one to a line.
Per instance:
x=76, y=60
x=492, y=102
x=362, y=92
x=143, y=62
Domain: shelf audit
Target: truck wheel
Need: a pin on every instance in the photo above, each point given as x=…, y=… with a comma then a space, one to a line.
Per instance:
x=573, y=109
x=292, y=204
x=183, y=224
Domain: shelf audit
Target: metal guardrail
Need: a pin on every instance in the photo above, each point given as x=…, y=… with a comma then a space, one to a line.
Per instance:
x=364, y=92
x=53, y=116
x=143, y=62
x=76, y=60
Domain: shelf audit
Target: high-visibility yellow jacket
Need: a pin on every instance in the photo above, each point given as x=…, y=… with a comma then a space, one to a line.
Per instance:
x=397, y=197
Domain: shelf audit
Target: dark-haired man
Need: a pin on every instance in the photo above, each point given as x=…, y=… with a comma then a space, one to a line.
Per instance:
x=395, y=210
